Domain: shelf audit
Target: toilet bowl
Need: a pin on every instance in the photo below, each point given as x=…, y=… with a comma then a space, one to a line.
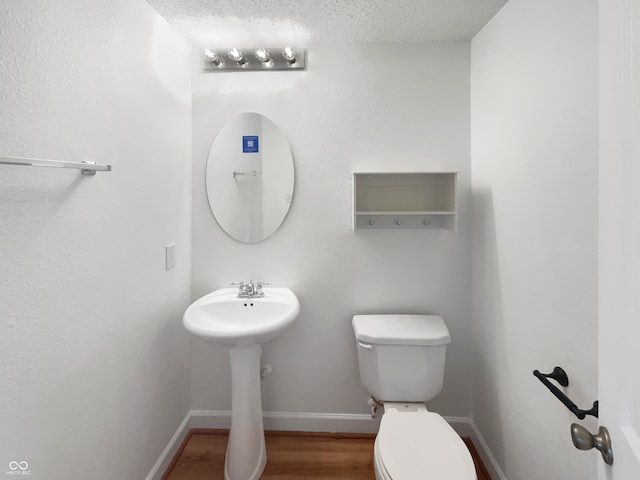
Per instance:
x=413, y=445
x=401, y=361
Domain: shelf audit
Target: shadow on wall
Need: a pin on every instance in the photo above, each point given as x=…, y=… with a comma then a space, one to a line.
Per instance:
x=37, y=193
x=487, y=325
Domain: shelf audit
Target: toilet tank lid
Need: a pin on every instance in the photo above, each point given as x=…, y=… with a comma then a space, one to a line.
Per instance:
x=401, y=329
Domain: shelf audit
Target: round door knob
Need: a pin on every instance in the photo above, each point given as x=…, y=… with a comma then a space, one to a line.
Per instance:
x=601, y=441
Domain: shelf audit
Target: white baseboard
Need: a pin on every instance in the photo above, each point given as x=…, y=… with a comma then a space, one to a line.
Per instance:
x=170, y=450
x=312, y=422
x=462, y=425
x=490, y=462
x=292, y=421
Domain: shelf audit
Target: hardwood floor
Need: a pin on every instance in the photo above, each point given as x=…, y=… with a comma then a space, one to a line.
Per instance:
x=481, y=470
x=291, y=455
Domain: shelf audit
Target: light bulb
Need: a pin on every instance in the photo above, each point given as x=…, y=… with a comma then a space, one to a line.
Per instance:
x=289, y=55
x=263, y=55
x=236, y=56
x=213, y=57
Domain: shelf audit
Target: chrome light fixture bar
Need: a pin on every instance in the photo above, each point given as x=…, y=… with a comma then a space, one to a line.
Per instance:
x=235, y=60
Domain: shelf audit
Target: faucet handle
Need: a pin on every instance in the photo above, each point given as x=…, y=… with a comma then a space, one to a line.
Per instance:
x=242, y=287
x=259, y=287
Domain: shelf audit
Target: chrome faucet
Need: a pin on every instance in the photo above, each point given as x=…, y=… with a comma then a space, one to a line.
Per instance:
x=250, y=290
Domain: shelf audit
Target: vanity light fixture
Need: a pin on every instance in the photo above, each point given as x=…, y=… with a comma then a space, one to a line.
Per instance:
x=233, y=60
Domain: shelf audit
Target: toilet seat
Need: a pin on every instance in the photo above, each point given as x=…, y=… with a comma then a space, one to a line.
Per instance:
x=421, y=445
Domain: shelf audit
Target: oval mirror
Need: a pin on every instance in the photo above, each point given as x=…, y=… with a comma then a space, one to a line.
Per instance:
x=250, y=177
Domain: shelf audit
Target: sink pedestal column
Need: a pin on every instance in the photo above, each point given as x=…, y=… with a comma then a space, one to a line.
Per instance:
x=246, y=452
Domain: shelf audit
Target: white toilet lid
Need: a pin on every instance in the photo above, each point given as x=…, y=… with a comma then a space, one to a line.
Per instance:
x=422, y=445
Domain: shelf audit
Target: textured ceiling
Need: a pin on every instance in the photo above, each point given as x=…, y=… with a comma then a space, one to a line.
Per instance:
x=304, y=22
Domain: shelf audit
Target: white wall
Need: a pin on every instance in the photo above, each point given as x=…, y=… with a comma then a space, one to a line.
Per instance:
x=534, y=161
x=93, y=359
x=346, y=112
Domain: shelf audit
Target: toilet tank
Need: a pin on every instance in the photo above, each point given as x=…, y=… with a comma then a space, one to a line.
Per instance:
x=401, y=357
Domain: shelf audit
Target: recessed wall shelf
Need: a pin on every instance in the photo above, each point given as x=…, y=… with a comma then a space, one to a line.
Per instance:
x=404, y=200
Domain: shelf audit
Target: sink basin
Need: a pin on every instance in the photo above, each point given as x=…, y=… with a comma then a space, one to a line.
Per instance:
x=223, y=319
x=241, y=325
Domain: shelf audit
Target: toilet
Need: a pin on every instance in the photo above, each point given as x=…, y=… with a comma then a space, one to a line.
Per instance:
x=401, y=360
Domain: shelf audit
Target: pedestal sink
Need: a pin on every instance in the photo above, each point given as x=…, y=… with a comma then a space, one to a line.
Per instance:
x=242, y=324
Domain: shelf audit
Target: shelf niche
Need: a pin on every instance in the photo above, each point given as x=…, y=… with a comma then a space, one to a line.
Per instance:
x=404, y=200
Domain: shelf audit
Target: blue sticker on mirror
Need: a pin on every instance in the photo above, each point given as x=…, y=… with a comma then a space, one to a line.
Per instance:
x=249, y=144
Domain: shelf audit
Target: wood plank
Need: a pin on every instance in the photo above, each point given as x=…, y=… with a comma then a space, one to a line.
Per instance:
x=291, y=455
x=481, y=470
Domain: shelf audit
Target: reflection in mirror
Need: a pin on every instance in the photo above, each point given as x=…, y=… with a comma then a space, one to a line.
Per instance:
x=250, y=177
